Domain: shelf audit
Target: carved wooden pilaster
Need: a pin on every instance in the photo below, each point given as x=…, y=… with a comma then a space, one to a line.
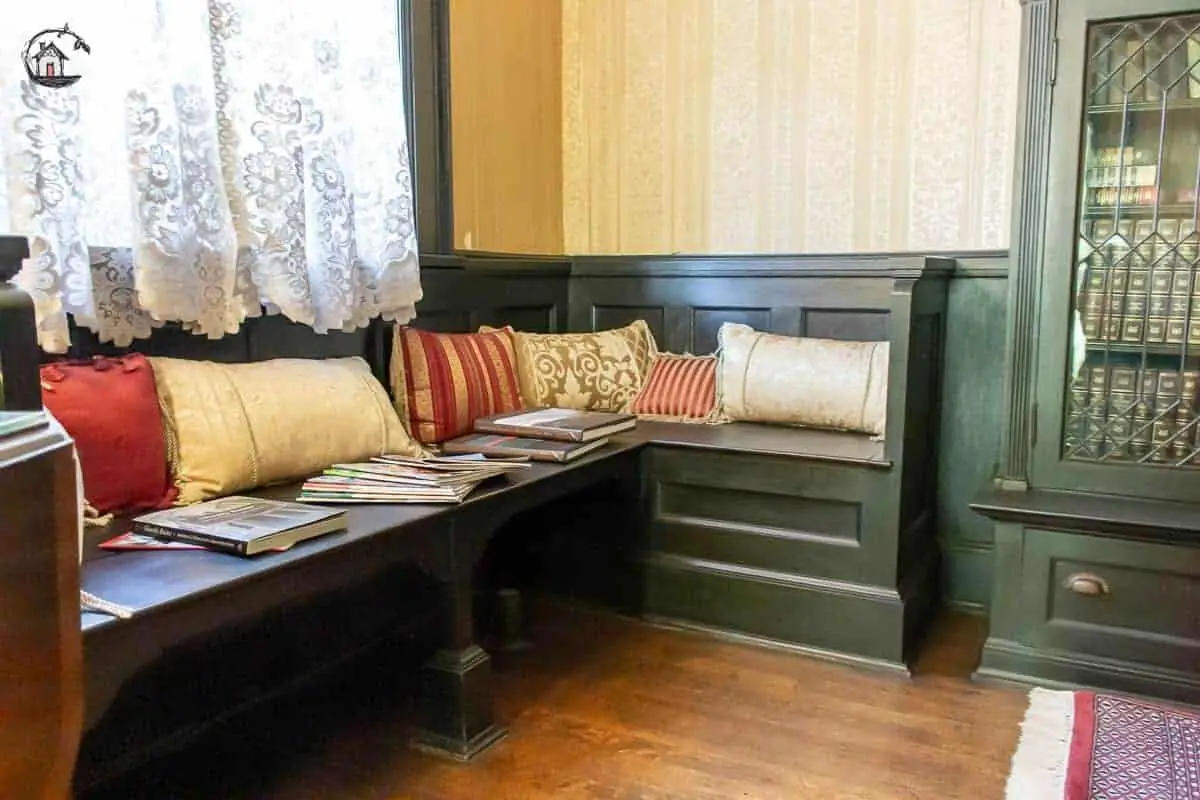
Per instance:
x=1038, y=30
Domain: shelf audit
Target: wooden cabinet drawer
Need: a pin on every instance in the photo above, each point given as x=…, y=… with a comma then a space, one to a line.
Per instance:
x=1117, y=598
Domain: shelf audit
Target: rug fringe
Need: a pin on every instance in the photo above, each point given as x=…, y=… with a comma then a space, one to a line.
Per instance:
x=1039, y=765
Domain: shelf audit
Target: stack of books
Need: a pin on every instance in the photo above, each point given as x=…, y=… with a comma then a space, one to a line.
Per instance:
x=399, y=479
x=547, y=434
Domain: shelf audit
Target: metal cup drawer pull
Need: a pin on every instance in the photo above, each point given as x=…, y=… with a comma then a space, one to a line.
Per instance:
x=1087, y=583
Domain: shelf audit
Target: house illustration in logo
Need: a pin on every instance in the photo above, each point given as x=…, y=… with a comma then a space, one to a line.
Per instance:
x=45, y=61
x=49, y=61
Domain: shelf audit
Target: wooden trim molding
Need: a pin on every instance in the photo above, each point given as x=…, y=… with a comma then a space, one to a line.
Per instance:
x=976, y=264
x=850, y=265
x=1092, y=513
x=1038, y=25
x=428, y=54
x=980, y=264
x=509, y=265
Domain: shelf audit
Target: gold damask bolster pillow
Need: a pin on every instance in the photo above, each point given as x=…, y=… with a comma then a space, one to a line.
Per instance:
x=233, y=427
x=817, y=383
x=597, y=371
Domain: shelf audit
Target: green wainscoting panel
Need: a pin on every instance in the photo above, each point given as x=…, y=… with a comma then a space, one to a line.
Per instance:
x=684, y=299
x=966, y=575
x=972, y=411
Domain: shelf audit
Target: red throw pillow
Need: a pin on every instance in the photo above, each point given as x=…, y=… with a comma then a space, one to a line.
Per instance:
x=109, y=406
x=682, y=388
x=443, y=382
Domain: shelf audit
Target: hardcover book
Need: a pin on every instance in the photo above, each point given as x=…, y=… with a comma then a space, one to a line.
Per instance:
x=241, y=525
x=142, y=541
x=12, y=422
x=534, y=449
x=557, y=424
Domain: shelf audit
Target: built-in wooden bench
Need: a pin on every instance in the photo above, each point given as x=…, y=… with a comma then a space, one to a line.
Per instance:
x=181, y=601
x=813, y=540
x=750, y=524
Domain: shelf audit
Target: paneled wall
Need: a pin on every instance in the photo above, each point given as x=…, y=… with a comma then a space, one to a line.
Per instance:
x=758, y=127
x=798, y=126
x=506, y=134
x=685, y=301
x=972, y=417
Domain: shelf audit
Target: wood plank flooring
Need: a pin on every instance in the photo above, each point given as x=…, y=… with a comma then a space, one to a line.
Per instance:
x=609, y=708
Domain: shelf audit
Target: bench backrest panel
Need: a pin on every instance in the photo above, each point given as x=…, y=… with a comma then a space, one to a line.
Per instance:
x=461, y=294
x=686, y=301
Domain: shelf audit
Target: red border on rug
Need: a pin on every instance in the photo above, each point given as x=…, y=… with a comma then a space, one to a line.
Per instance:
x=1083, y=740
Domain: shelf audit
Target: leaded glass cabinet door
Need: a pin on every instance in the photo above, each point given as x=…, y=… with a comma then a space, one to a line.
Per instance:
x=1118, y=404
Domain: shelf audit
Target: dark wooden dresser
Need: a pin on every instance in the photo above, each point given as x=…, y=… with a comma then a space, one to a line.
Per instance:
x=41, y=687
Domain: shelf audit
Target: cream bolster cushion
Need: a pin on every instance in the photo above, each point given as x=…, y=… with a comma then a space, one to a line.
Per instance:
x=819, y=383
x=234, y=427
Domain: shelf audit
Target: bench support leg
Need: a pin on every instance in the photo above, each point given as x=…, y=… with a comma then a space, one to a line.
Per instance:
x=456, y=683
x=457, y=695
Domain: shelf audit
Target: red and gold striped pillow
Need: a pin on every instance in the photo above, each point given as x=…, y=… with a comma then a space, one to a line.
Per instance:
x=681, y=388
x=443, y=382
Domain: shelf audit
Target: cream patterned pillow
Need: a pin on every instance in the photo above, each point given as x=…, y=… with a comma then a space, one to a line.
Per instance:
x=233, y=427
x=817, y=383
x=640, y=339
x=600, y=371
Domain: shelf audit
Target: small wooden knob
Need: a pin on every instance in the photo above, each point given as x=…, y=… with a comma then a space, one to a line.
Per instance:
x=1086, y=583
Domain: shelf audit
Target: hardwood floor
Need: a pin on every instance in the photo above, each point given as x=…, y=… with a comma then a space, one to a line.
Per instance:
x=605, y=707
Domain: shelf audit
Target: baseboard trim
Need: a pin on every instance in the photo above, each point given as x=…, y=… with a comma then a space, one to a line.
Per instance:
x=967, y=574
x=967, y=607
x=857, y=621
x=725, y=634
x=788, y=580
x=1012, y=662
x=949, y=544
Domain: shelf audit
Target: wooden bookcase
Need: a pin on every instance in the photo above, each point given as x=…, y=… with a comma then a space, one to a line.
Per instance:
x=1097, y=569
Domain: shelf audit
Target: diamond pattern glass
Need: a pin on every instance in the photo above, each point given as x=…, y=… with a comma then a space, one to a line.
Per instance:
x=1135, y=355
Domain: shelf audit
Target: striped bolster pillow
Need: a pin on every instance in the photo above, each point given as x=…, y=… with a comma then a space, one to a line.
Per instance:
x=443, y=382
x=680, y=388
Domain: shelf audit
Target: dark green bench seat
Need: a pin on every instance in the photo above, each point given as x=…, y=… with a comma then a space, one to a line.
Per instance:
x=784, y=536
x=813, y=540
x=738, y=508
x=186, y=602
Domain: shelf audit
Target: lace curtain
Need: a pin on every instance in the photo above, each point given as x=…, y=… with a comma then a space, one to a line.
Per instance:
x=216, y=158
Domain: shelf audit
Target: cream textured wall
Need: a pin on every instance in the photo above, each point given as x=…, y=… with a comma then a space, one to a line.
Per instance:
x=506, y=125
x=716, y=126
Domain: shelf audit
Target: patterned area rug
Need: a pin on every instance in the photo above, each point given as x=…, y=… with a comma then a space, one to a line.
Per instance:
x=1097, y=746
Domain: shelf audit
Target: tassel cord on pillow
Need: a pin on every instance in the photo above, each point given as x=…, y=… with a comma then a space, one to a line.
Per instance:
x=88, y=601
